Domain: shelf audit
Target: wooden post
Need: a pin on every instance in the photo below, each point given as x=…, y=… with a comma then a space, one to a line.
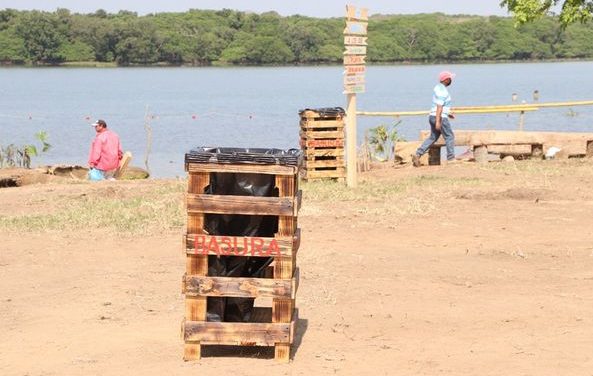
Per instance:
x=195, y=306
x=434, y=156
x=521, y=120
x=351, y=141
x=481, y=153
x=282, y=309
x=355, y=43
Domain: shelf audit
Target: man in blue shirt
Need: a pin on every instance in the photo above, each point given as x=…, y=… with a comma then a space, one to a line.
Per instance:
x=440, y=113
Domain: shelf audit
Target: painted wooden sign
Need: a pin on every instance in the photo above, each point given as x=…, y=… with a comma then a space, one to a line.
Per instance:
x=354, y=59
x=354, y=79
x=361, y=14
x=355, y=41
x=355, y=50
x=354, y=89
x=338, y=143
x=235, y=246
x=356, y=28
x=355, y=69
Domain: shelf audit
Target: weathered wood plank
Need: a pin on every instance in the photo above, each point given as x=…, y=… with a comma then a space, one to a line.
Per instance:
x=321, y=135
x=337, y=152
x=241, y=287
x=434, y=156
x=510, y=149
x=237, y=334
x=247, y=205
x=201, y=244
x=307, y=124
x=338, y=143
x=195, y=307
x=321, y=174
x=242, y=168
x=284, y=267
x=572, y=143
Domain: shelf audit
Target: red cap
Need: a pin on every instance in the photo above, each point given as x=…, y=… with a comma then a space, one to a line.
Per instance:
x=446, y=74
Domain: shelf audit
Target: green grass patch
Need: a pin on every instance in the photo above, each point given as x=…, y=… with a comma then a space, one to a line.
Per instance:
x=157, y=210
x=370, y=190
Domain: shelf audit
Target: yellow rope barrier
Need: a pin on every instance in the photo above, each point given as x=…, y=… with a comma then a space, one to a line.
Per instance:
x=483, y=109
x=455, y=111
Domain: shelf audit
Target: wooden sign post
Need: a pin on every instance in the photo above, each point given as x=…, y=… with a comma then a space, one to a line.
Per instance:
x=355, y=43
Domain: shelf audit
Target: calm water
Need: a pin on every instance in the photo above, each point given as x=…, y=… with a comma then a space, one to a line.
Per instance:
x=258, y=107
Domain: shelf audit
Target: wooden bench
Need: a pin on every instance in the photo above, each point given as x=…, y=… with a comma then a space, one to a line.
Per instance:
x=515, y=143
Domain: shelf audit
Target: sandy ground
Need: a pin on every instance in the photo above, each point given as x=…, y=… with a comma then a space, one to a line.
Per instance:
x=493, y=276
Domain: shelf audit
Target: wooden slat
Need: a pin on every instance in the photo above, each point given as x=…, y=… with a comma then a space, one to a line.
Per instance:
x=241, y=287
x=336, y=152
x=339, y=143
x=195, y=307
x=314, y=124
x=237, y=334
x=510, y=149
x=247, y=205
x=320, y=135
x=337, y=173
x=242, y=168
x=241, y=245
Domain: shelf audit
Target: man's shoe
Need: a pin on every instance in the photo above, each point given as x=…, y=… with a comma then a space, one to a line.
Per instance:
x=452, y=161
x=416, y=160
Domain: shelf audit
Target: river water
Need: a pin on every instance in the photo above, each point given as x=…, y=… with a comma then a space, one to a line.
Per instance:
x=258, y=107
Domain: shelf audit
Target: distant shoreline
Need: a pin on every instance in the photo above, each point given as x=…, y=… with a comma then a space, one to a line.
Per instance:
x=93, y=64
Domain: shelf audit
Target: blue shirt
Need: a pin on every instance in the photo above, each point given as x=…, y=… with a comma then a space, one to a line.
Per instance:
x=441, y=97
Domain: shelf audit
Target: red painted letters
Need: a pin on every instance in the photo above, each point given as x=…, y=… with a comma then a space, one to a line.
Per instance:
x=236, y=246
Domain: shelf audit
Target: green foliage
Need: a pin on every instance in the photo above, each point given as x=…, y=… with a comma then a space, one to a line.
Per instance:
x=204, y=37
x=530, y=10
x=383, y=139
x=14, y=156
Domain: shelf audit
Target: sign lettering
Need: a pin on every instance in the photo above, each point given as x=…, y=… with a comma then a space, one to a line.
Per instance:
x=354, y=89
x=355, y=69
x=355, y=41
x=354, y=59
x=355, y=50
x=355, y=79
x=234, y=246
x=357, y=28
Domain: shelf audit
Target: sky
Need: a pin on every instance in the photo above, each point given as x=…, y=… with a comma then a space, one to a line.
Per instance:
x=314, y=8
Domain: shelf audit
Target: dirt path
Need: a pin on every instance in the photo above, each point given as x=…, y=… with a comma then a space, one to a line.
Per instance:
x=468, y=271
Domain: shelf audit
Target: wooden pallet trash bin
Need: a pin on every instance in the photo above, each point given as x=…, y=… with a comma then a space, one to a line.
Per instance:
x=322, y=140
x=233, y=192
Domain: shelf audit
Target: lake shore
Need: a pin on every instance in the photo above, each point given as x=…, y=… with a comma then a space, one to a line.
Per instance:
x=99, y=64
x=442, y=269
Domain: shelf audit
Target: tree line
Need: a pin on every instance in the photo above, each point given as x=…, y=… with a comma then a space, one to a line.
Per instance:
x=207, y=37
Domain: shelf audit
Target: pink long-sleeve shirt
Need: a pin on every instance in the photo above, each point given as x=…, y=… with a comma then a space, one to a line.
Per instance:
x=105, y=151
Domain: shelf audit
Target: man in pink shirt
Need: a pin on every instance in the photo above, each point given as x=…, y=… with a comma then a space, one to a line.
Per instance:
x=105, y=152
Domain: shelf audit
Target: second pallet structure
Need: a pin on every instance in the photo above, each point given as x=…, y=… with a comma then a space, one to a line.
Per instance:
x=322, y=140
